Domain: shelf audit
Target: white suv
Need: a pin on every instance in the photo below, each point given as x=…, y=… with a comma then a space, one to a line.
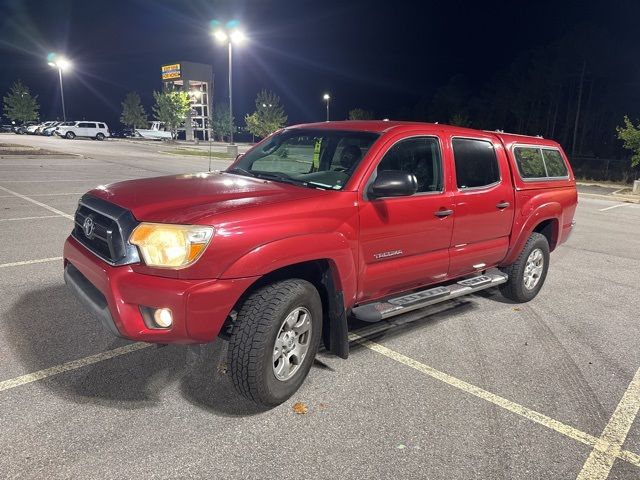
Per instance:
x=97, y=130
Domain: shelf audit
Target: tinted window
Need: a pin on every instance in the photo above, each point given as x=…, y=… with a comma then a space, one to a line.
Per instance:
x=476, y=163
x=84, y=125
x=555, y=164
x=102, y=125
x=530, y=162
x=419, y=156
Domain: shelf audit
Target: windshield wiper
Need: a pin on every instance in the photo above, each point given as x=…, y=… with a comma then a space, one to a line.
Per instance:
x=280, y=177
x=241, y=171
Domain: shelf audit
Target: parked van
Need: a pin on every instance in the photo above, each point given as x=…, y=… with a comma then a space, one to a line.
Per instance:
x=97, y=130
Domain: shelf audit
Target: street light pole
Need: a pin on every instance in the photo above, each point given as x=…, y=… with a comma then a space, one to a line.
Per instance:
x=61, y=63
x=64, y=112
x=230, y=94
x=326, y=98
x=230, y=36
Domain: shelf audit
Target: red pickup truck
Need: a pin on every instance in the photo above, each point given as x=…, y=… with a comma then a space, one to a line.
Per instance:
x=316, y=225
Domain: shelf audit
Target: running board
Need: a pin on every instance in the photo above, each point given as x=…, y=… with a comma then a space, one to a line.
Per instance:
x=374, y=312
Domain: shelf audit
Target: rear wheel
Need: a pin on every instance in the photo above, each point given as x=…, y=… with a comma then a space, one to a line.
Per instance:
x=100, y=136
x=528, y=273
x=274, y=340
x=70, y=135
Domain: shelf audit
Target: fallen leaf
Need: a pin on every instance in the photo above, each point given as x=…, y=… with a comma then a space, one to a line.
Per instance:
x=222, y=368
x=516, y=309
x=300, y=408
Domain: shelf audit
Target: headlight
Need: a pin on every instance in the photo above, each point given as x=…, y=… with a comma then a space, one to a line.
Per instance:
x=170, y=246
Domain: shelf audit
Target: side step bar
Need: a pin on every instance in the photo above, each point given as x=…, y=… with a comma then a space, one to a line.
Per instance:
x=374, y=312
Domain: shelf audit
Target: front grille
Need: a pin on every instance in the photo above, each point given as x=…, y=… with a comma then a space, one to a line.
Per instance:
x=104, y=229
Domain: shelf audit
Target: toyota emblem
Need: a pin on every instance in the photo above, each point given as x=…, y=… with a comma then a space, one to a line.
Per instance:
x=88, y=227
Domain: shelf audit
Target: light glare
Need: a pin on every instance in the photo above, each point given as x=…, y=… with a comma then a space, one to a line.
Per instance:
x=237, y=36
x=220, y=35
x=326, y=96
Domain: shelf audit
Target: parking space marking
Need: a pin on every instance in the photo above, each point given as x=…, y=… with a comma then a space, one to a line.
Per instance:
x=600, y=444
x=614, y=206
x=29, y=262
x=46, y=194
x=602, y=457
x=35, y=202
x=72, y=365
x=28, y=218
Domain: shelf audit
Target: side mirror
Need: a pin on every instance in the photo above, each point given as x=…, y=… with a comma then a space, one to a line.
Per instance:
x=393, y=183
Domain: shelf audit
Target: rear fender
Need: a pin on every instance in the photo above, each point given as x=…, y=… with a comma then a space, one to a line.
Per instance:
x=524, y=226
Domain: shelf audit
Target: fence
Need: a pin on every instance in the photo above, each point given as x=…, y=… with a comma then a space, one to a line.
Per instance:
x=604, y=169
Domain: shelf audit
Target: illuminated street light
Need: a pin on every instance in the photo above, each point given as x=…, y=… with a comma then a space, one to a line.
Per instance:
x=61, y=63
x=326, y=97
x=230, y=36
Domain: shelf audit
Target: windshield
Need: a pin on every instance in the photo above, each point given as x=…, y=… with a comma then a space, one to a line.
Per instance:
x=313, y=158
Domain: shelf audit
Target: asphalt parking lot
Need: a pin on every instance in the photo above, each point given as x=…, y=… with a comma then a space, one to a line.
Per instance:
x=480, y=388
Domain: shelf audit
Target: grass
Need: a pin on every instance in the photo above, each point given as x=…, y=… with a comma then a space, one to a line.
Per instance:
x=198, y=153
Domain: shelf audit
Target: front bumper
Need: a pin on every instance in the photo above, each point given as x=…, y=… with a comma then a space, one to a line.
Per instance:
x=115, y=294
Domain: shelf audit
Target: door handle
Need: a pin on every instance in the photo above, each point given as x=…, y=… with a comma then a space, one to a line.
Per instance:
x=502, y=205
x=443, y=213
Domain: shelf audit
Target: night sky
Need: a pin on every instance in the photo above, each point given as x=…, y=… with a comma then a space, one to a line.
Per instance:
x=381, y=56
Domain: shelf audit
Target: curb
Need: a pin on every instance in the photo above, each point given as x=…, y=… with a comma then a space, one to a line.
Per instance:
x=616, y=198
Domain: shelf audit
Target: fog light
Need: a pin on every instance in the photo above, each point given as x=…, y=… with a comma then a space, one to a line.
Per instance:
x=163, y=317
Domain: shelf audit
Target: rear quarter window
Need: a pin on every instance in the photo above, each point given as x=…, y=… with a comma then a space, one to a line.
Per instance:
x=539, y=163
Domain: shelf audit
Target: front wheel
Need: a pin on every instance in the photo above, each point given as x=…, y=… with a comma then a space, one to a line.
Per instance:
x=274, y=340
x=70, y=135
x=528, y=273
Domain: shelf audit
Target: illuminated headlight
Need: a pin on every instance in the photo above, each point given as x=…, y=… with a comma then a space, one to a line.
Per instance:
x=170, y=246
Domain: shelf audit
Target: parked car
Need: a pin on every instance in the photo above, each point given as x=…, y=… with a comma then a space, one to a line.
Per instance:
x=6, y=128
x=122, y=133
x=42, y=126
x=314, y=225
x=96, y=130
x=22, y=128
x=48, y=131
x=31, y=129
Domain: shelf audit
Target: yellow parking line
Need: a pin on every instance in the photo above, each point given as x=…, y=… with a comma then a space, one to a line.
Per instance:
x=72, y=365
x=609, y=445
x=600, y=444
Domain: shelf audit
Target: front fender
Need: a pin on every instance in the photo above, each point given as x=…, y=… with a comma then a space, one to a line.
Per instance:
x=281, y=253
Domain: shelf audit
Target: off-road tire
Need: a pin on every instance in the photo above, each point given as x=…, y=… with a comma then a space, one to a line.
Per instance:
x=253, y=336
x=514, y=289
x=70, y=135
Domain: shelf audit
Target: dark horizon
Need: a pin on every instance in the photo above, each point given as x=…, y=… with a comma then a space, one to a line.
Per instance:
x=402, y=61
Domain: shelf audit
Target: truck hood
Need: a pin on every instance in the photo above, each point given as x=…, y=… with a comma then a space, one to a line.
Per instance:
x=193, y=198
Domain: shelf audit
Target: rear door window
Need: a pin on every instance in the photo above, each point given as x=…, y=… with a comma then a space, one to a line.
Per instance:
x=534, y=163
x=476, y=163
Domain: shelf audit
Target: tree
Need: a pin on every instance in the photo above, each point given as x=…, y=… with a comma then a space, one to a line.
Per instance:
x=460, y=120
x=19, y=104
x=630, y=135
x=171, y=108
x=268, y=117
x=133, y=114
x=360, y=114
x=221, y=121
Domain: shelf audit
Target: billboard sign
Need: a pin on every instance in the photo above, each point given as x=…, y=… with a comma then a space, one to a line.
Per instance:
x=170, y=72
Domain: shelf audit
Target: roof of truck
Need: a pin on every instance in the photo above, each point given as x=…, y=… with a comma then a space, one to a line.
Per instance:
x=383, y=126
